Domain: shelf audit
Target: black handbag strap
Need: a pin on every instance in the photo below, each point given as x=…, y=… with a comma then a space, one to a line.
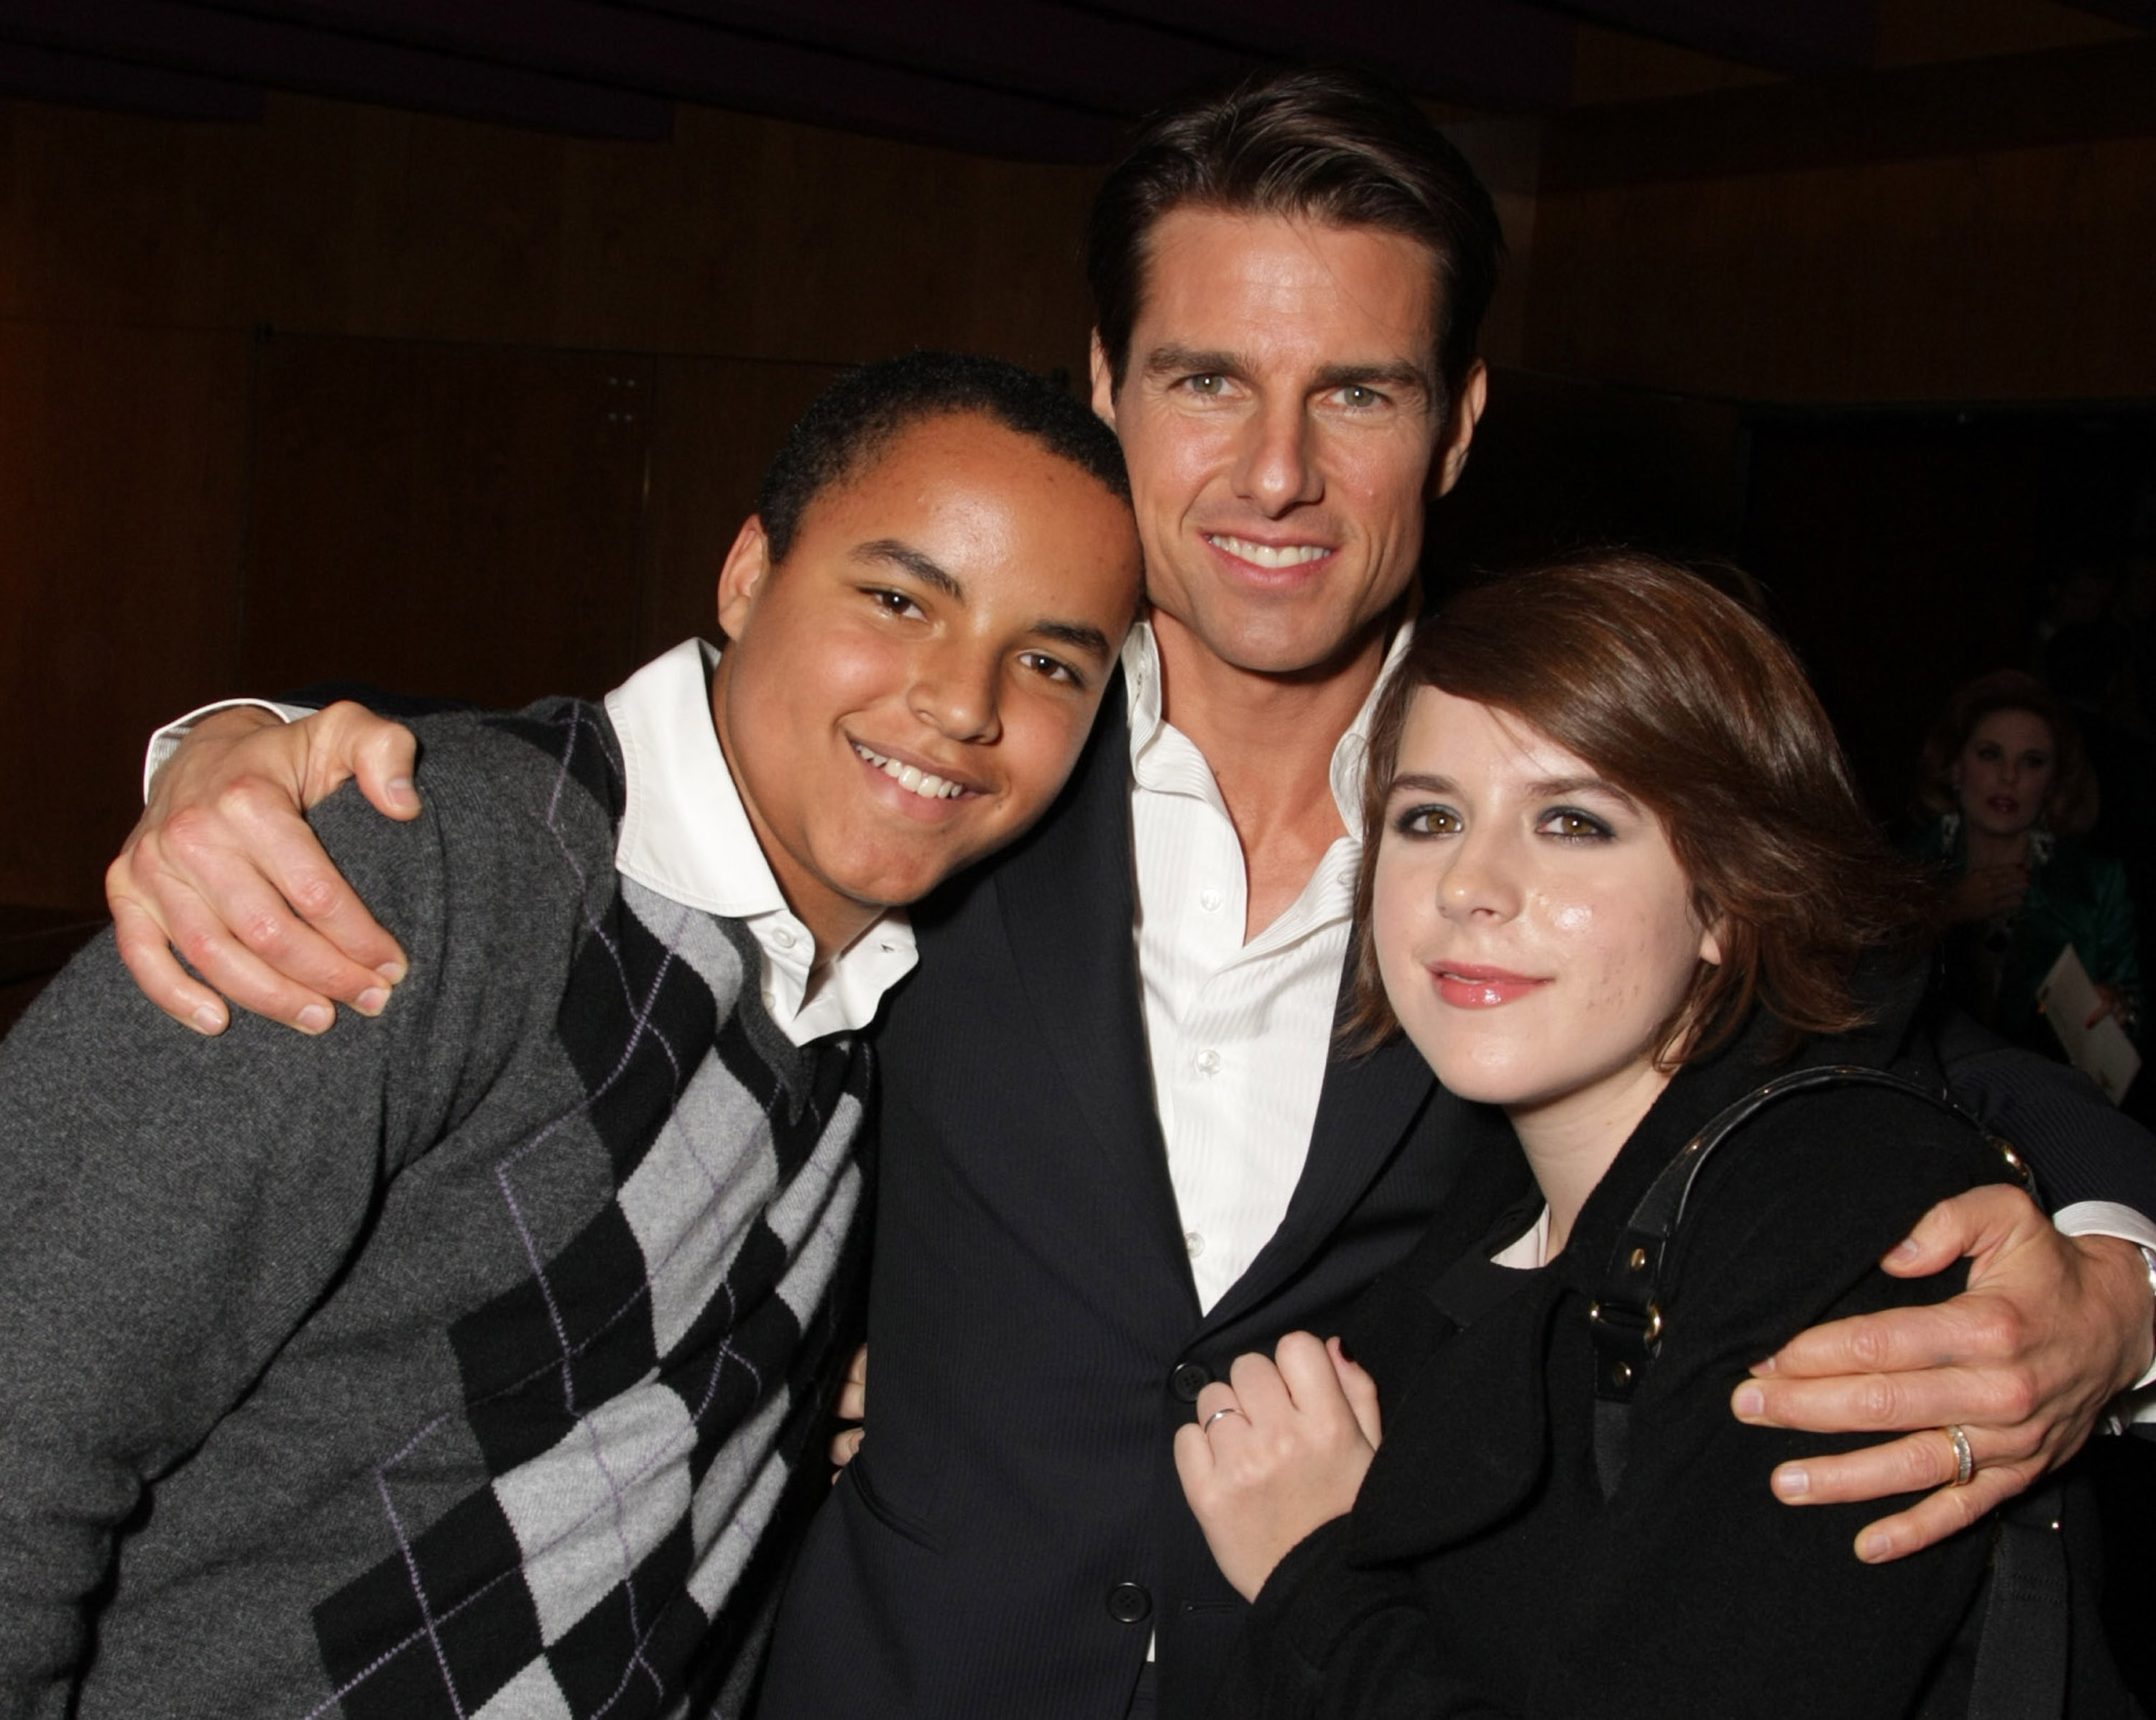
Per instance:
x=2021, y=1667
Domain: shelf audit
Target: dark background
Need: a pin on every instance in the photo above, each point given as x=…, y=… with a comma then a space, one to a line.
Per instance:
x=439, y=343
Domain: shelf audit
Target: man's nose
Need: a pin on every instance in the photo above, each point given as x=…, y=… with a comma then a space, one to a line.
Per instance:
x=1278, y=469
x=954, y=692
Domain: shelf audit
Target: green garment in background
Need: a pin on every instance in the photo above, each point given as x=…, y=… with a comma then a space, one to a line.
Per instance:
x=2074, y=898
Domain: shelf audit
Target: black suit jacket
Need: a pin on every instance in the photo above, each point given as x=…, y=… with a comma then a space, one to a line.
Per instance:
x=1013, y=1533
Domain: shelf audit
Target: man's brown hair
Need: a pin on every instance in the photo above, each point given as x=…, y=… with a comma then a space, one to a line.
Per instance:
x=1690, y=703
x=1328, y=145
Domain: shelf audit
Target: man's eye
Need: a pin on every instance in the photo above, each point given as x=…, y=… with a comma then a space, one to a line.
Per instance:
x=1052, y=667
x=892, y=603
x=1207, y=383
x=1356, y=394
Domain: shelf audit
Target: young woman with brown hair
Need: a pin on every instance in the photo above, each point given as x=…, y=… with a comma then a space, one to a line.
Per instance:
x=1615, y=878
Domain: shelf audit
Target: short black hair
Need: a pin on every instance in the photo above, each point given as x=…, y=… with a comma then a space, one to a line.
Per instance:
x=1318, y=143
x=857, y=418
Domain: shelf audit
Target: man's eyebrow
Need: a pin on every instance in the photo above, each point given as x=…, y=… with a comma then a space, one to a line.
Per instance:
x=1395, y=374
x=1191, y=361
x=921, y=567
x=1079, y=635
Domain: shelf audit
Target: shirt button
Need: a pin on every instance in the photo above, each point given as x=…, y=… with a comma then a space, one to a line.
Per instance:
x=767, y=1000
x=1188, y=1379
x=782, y=938
x=1128, y=1603
x=1209, y=1061
x=1209, y=899
x=1193, y=1243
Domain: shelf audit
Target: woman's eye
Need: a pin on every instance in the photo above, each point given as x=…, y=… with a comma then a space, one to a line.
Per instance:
x=1571, y=825
x=1427, y=821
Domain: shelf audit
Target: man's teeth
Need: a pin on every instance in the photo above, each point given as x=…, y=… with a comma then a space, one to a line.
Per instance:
x=911, y=777
x=1269, y=554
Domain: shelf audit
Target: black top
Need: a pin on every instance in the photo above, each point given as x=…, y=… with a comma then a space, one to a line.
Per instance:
x=1482, y=1572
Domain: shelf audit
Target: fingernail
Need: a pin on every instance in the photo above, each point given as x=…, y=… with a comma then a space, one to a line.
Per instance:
x=1905, y=1250
x=208, y=1020
x=1767, y=1366
x=1793, y=1480
x=1871, y=1548
x=1751, y=1401
x=316, y=1018
x=393, y=972
x=401, y=791
x=371, y=1002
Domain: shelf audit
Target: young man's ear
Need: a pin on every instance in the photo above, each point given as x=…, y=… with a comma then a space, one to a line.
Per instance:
x=742, y=576
x=1467, y=407
x=1104, y=383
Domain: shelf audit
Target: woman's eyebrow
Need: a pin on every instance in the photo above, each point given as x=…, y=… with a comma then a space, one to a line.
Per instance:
x=1553, y=788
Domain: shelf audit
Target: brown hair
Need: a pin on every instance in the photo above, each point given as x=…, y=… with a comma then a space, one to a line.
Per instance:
x=2069, y=807
x=1690, y=703
x=1331, y=145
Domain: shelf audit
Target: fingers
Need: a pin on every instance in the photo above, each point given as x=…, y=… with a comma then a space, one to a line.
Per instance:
x=149, y=958
x=377, y=754
x=853, y=1393
x=1945, y=1513
x=845, y=1446
x=1998, y=1395
x=1361, y=1391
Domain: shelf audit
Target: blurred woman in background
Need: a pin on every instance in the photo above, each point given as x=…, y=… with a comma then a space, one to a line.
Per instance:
x=2009, y=790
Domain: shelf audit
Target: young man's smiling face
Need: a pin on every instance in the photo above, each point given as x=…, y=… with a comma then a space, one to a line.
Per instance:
x=910, y=688
x=1285, y=425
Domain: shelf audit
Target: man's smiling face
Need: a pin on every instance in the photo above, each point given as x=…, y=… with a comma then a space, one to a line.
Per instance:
x=909, y=687
x=1285, y=425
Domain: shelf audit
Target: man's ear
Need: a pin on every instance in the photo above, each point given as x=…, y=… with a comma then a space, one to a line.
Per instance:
x=742, y=576
x=1104, y=382
x=1467, y=406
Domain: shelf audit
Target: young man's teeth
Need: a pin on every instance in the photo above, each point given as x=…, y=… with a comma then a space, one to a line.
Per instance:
x=1271, y=555
x=911, y=777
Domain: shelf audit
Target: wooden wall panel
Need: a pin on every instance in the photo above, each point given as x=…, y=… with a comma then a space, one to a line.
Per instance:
x=105, y=216
x=1899, y=559
x=2019, y=274
x=449, y=520
x=742, y=237
x=715, y=423
x=122, y=467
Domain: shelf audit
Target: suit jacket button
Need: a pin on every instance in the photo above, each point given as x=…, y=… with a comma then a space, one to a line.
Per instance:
x=1190, y=1380
x=1129, y=1603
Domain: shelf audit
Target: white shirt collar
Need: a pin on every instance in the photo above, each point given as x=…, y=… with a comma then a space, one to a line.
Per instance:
x=1142, y=679
x=685, y=834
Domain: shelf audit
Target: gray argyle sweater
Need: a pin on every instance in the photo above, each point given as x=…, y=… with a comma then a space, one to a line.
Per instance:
x=462, y=1362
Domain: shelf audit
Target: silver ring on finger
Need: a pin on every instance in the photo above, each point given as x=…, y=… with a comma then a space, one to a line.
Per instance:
x=1207, y=1425
x=1964, y=1459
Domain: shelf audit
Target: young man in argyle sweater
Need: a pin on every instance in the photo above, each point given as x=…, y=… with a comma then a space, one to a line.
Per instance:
x=467, y=1362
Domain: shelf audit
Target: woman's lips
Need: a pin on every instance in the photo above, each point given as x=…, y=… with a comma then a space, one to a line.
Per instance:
x=1465, y=985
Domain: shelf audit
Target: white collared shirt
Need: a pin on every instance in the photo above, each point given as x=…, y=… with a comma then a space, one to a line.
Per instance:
x=1238, y=1032
x=685, y=834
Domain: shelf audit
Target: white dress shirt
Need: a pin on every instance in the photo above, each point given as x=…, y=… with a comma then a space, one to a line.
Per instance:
x=1238, y=1032
x=685, y=834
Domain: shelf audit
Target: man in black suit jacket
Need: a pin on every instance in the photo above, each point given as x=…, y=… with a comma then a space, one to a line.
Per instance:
x=1290, y=283
x=1011, y=1538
